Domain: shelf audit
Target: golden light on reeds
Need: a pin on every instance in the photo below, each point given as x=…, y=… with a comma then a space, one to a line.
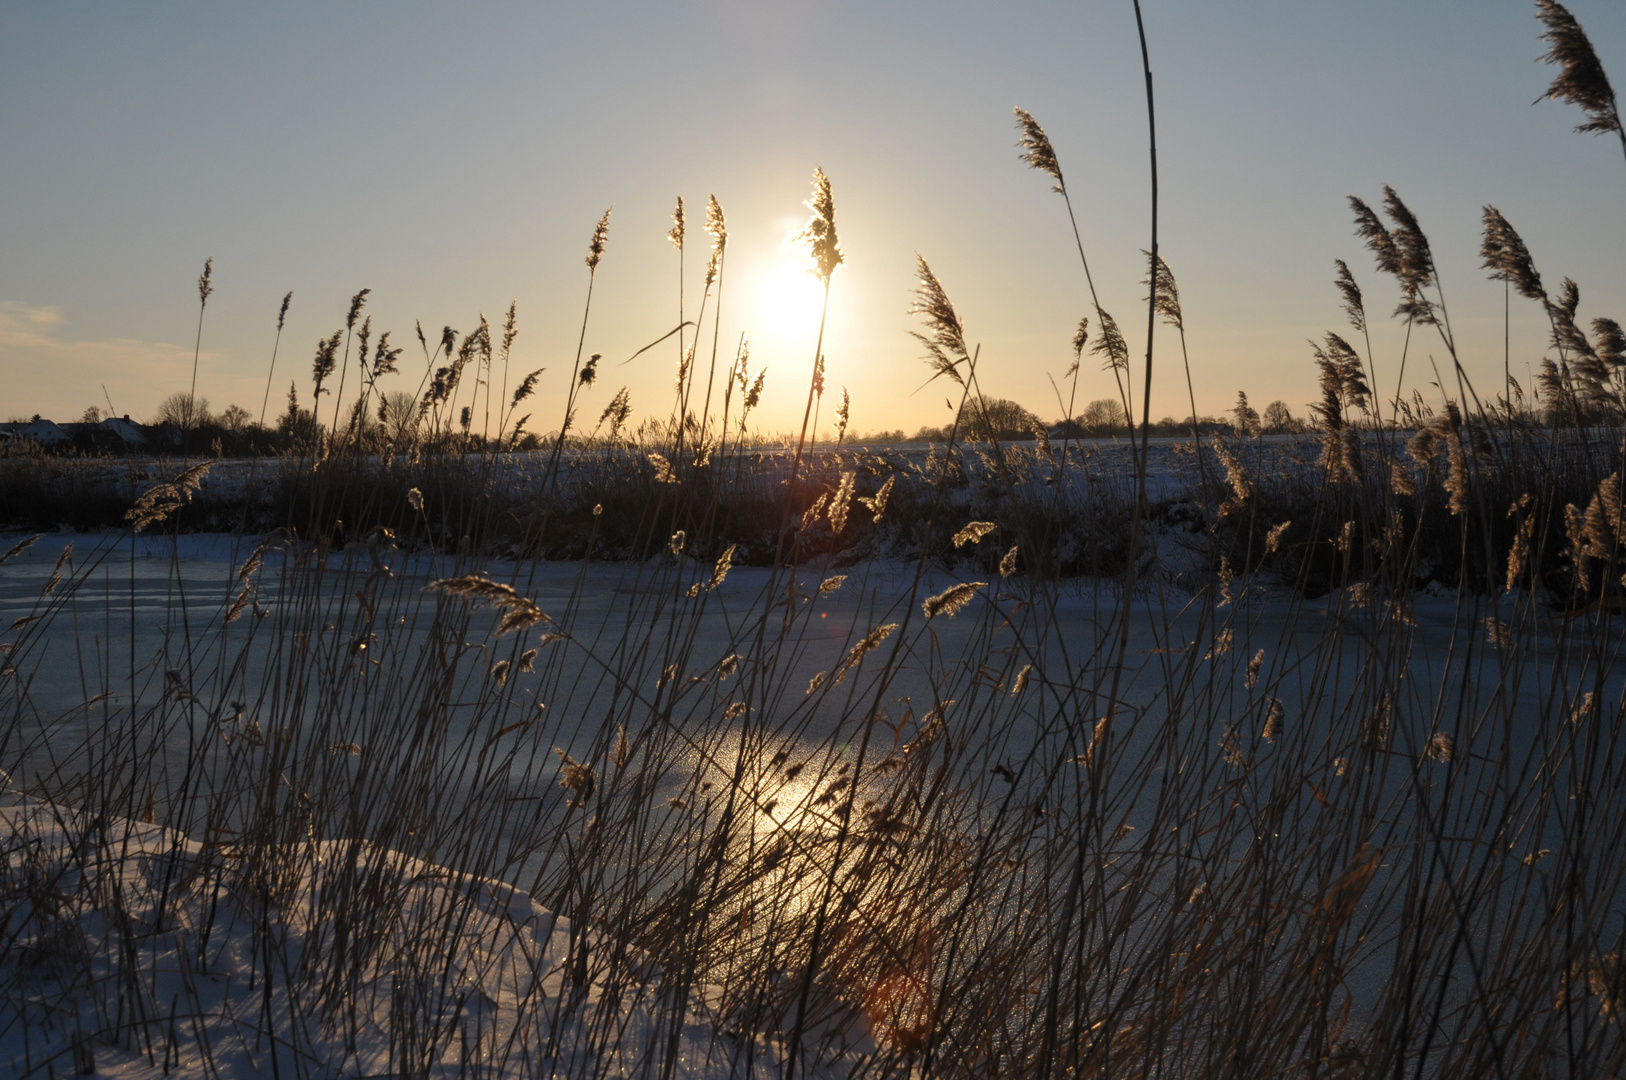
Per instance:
x=952, y=600
x=945, y=334
x=679, y=227
x=973, y=532
x=716, y=225
x=518, y=613
x=877, y=502
x=159, y=502
x=820, y=232
x=1008, y=562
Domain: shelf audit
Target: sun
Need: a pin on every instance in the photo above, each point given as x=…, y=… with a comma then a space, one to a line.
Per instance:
x=789, y=299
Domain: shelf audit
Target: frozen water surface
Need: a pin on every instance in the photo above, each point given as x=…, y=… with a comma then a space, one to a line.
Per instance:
x=708, y=678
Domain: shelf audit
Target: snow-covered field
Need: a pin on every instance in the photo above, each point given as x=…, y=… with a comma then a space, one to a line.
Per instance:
x=179, y=945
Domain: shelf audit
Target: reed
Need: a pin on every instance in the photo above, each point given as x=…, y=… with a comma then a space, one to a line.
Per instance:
x=1238, y=756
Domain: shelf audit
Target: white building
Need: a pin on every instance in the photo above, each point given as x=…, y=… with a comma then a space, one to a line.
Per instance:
x=124, y=428
x=36, y=430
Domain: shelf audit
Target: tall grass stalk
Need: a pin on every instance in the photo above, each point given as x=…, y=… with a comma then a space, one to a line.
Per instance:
x=973, y=759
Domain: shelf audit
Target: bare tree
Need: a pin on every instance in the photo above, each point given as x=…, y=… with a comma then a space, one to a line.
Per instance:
x=182, y=411
x=1279, y=419
x=235, y=419
x=998, y=418
x=1103, y=417
x=398, y=415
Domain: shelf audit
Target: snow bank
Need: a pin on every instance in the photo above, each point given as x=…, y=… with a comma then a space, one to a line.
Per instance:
x=130, y=949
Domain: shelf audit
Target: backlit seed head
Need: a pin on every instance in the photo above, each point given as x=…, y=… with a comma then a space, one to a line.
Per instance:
x=820, y=233
x=595, y=246
x=678, y=228
x=1036, y=148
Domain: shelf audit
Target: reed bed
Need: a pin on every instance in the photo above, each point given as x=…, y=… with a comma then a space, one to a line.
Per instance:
x=661, y=753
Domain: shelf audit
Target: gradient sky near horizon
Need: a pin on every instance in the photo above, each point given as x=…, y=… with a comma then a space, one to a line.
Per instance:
x=453, y=158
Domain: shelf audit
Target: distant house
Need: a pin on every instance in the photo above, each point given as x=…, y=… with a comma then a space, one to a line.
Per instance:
x=125, y=429
x=43, y=432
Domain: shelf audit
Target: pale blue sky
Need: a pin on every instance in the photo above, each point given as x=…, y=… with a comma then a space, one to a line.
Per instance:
x=455, y=157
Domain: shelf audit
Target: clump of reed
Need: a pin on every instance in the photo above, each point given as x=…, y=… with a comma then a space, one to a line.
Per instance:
x=439, y=807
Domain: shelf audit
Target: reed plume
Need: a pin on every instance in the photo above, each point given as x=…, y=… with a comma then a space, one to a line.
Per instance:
x=715, y=224
x=518, y=613
x=327, y=352
x=685, y=362
x=1505, y=255
x=679, y=229
x=841, y=502
x=820, y=233
x=950, y=601
x=1402, y=252
x=1111, y=344
x=1164, y=294
x=1036, y=148
x=1247, y=421
x=719, y=569
x=384, y=357
x=1346, y=363
x=868, y=644
x=576, y=777
x=526, y=387
x=1448, y=426
x=617, y=411
x=21, y=546
x=1354, y=304
x=357, y=302
x=877, y=503
x=1342, y=386
x=1581, y=80
x=1081, y=338
x=1605, y=519
x=664, y=473
x=510, y=331
x=1007, y=562
x=205, y=290
x=945, y=336
x=155, y=505
x=595, y=246
x=1241, y=484
x=973, y=533
x=1376, y=236
x=1273, y=718
x=282, y=316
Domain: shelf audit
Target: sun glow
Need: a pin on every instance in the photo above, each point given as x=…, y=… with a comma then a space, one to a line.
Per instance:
x=789, y=299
